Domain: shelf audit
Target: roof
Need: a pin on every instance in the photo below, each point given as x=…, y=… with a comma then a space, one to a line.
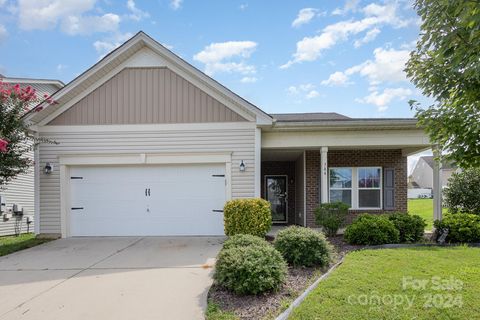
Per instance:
x=124, y=52
x=30, y=81
x=305, y=117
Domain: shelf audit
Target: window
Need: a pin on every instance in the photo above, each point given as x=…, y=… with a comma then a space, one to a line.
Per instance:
x=341, y=185
x=369, y=189
x=360, y=188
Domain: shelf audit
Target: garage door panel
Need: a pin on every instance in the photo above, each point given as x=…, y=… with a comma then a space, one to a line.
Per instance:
x=114, y=203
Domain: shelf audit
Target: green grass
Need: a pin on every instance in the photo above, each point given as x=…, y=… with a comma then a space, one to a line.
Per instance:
x=10, y=244
x=424, y=209
x=215, y=313
x=373, y=274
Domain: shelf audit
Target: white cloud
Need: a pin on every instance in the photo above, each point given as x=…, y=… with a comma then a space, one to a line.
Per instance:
x=381, y=100
x=306, y=91
x=248, y=80
x=105, y=46
x=369, y=36
x=2, y=2
x=336, y=79
x=304, y=16
x=310, y=48
x=3, y=33
x=136, y=14
x=176, y=4
x=387, y=66
x=74, y=25
x=243, y=6
x=70, y=14
x=61, y=67
x=227, y=57
x=350, y=5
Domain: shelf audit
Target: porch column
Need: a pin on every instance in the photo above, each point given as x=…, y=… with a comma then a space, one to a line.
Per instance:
x=258, y=162
x=437, y=187
x=324, y=174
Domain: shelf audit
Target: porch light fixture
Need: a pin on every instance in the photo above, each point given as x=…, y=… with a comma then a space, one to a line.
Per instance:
x=242, y=166
x=48, y=168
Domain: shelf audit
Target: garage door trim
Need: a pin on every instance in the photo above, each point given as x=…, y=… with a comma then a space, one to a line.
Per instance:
x=132, y=159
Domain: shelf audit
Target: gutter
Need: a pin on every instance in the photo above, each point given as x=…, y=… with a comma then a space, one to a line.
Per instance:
x=368, y=124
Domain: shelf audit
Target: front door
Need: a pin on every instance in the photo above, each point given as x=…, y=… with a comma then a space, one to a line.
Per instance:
x=276, y=194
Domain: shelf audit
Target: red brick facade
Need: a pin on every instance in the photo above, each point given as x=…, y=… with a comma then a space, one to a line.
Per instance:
x=355, y=158
x=282, y=168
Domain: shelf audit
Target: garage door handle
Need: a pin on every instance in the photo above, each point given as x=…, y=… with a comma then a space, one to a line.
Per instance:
x=77, y=208
x=217, y=210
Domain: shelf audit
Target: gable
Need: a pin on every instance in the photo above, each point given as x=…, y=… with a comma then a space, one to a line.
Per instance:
x=146, y=95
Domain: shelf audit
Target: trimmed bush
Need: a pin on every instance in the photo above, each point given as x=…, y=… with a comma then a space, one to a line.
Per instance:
x=247, y=216
x=250, y=270
x=369, y=229
x=303, y=247
x=462, y=227
x=410, y=227
x=331, y=216
x=462, y=194
x=244, y=240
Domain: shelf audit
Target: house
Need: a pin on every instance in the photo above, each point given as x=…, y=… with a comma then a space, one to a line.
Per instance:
x=20, y=191
x=150, y=145
x=422, y=173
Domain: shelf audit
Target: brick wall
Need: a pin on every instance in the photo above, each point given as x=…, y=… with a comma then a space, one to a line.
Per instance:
x=356, y=158
x=282, y=168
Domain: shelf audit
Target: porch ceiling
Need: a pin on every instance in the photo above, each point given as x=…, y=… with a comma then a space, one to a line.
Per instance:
x=281, y=155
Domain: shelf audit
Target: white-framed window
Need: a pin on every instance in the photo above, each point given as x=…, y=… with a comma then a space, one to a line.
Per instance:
x=359, y=187
x=341, y=185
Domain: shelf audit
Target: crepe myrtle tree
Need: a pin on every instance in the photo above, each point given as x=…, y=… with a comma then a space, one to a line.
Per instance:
x=16, y=139
x=446, y=66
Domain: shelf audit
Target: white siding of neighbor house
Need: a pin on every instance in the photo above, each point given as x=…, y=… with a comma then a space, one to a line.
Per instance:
x=239, y=139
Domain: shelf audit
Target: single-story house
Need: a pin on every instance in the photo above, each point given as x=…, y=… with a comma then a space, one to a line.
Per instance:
x=19, y=193
x=150, y=145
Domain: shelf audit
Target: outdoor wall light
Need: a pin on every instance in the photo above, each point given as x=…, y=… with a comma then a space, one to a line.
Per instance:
x=48, y=168
x=242, y=166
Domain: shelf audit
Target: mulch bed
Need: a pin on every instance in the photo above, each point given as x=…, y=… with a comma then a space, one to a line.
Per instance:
x=269, y=304
x=262, y=305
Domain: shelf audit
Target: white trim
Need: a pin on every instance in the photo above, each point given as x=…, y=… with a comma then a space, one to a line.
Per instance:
x=286, y=192
x=324, y=174
x=304, y=189
x=36, y=188
x=437, y=186
x=147, y=127
x=59, y=84
x=133, y=159
x=258, y=161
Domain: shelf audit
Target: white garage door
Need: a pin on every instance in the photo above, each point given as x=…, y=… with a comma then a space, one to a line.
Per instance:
x=147, y=200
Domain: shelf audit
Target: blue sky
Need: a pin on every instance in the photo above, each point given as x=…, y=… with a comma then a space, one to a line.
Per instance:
x=284, y=56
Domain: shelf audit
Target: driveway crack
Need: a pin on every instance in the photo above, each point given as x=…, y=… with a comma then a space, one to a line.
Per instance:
x=70, y=277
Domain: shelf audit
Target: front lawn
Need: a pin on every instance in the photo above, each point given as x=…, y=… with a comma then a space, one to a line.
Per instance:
x=413, y=283
x=10, y=244
x=424, y=209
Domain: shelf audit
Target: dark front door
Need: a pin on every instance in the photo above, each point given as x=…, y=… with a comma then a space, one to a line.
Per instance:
x=276, y=194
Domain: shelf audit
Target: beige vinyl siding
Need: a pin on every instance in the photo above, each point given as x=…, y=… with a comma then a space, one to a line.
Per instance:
x=300, y=190
x=239, y=141
x=145, y=96
x=19, y=191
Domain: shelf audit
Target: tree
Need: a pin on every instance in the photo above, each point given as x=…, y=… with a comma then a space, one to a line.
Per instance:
x=462, y=194
x=16, y=139
x=446, y=66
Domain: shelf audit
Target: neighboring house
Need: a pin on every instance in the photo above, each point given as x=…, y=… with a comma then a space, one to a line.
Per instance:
x=422, y=173
x=20, y=191
x=149, y=145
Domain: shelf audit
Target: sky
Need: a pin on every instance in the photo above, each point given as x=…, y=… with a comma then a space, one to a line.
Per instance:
x=283, y=56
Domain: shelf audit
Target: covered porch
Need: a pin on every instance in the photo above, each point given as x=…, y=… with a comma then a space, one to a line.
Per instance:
x=364, y=166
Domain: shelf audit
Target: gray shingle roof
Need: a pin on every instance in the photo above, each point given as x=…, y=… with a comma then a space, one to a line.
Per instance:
x=317, y=116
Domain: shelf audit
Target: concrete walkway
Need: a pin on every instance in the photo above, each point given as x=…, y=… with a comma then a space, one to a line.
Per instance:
x=109, y=278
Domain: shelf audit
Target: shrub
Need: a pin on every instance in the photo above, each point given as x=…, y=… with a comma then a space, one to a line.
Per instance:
x=331, y=216
x=371, y=229
x=303, y=246
x=247, y=216
x=250, y=270
x=462, y=227
x=410, y=227
x=244, y=240
x=462, y=194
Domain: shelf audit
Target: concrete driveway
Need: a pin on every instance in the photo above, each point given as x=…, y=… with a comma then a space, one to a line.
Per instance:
x=109, y=278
